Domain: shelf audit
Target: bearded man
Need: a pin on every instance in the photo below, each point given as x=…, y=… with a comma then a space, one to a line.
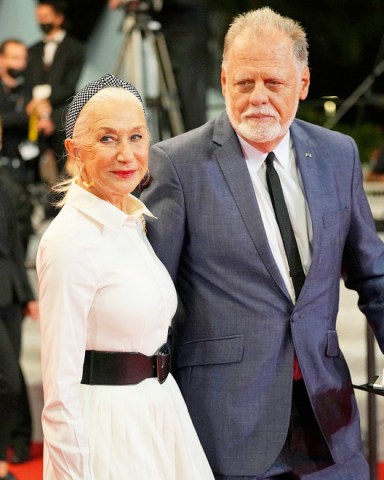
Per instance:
x=257, y=213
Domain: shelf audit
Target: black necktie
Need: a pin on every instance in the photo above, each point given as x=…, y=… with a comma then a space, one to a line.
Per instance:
x=282, y=216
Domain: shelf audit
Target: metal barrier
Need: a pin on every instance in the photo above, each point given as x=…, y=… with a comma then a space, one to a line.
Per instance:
x=375, y=195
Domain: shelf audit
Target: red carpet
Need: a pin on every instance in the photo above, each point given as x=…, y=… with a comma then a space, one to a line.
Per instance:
x=33, y=470
x=380, y=471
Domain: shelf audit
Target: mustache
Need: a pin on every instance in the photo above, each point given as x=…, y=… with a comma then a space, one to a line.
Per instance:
x=260, y=111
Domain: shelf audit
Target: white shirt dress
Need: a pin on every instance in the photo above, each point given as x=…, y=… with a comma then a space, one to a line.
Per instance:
x=101, y=287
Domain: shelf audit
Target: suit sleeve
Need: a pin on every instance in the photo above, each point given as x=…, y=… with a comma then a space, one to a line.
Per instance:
x=22, y=287
x=11, y=117
x=73, y=64
x=364, y=257
x=165, y=199
x=15, y=119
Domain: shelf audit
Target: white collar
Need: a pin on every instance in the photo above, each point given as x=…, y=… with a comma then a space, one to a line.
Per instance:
x=257, y=158
x=103, y=211
x=57, y=38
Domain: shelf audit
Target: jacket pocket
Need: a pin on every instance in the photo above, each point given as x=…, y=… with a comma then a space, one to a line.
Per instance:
x=333, y=348
x=210, y=351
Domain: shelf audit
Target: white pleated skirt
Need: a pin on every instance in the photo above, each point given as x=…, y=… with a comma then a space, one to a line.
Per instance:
x=141, y=432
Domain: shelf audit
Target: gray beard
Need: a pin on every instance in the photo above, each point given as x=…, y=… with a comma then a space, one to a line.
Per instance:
x=258, y=133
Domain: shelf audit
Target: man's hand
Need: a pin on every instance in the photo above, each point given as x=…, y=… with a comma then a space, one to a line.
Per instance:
x=41, y=108
x=46, y=127
x=32, y=310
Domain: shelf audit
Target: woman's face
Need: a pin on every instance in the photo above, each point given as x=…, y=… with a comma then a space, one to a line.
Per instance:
x=112, y=151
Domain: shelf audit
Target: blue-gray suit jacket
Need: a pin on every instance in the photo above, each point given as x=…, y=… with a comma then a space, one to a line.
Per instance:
x=236, y=328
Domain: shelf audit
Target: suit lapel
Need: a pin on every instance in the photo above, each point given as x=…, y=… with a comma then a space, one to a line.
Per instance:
x=58, y=57
x=309, y=164
x=231, y=161
x=40, y=54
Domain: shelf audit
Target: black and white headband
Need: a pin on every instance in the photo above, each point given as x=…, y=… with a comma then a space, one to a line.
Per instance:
x=87, y=92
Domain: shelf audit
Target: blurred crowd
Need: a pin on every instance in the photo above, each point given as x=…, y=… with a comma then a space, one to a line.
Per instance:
x=35, y=84
x=37, y=81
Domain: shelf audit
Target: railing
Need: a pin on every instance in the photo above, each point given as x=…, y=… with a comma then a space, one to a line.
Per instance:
x=375, y=195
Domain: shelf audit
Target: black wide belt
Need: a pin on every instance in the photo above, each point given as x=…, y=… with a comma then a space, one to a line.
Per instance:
x=125, y=368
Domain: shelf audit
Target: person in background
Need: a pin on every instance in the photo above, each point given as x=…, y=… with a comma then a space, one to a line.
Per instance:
x=184, y=24
x=16, y=301
x=185, y=27
x=259, y=214
x=16, y=164
x=54, y=67
x=110, y=410
x=17, y=175
x=376, y=173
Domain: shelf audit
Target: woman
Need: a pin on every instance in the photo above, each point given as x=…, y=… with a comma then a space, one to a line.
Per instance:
x=106, y=304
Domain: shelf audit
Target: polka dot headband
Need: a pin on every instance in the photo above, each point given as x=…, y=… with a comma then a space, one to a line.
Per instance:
x=87, y=92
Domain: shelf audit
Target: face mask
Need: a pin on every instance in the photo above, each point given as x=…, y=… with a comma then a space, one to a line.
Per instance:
x=47, y=27
x=15, y=73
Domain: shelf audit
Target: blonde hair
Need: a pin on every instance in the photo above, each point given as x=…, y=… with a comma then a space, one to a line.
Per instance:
x=256, y=21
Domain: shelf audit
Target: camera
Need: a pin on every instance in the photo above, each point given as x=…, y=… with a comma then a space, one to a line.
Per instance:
x=147, y=6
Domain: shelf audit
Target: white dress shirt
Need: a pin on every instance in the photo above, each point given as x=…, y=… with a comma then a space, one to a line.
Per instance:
x=292, y=185
x=50, y=47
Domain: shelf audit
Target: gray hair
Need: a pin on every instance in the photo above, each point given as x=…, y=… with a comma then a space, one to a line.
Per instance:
x=86, y=102
x=258, y=20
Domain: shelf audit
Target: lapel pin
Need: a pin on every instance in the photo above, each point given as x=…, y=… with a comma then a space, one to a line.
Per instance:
x=309, y=155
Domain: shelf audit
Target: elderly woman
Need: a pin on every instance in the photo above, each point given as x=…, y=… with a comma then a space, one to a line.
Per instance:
x=111, y=411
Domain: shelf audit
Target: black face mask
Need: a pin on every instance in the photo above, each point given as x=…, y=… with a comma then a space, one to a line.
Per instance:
x=15, y=73
x=46, y=27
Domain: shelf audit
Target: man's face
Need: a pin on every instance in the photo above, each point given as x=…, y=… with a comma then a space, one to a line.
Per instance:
x=262, y=84
x=47, y=16
x=14, y=57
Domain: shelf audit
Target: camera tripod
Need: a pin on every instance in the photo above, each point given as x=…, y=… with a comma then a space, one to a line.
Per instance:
x=144, y=57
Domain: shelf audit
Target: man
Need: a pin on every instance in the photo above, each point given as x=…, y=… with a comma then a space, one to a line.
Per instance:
x=54, y=68
x=16, y=174
x=256, y=350
x=16, y=300
x=16, y=166
x=185, y=29
x=184, y=24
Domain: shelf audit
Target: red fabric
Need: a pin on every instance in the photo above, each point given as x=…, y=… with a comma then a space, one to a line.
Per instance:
x=297, y=375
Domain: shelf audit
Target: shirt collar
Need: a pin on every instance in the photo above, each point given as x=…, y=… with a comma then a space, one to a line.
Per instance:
x=102, y=211
x=257, y=158
x=57, y=38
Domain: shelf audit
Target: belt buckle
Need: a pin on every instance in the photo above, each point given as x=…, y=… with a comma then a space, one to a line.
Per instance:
x=163, y=363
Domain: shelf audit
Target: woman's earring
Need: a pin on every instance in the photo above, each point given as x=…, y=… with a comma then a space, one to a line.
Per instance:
x=86, y=184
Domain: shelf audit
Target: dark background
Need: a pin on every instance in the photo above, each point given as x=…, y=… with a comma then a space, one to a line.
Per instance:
x=346, y=42
x=344, y=35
